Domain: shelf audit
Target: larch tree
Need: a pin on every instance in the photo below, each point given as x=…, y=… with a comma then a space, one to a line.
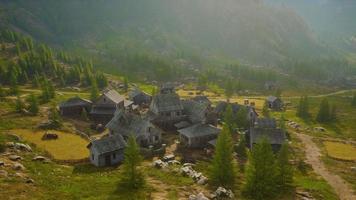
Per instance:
x=33, y=107
x=229, y=119
x=222, y=170
x=94, y=93
x=19, y=105
x=132, y=176
x=284, y=168
x=261, y=172
x=324, y=111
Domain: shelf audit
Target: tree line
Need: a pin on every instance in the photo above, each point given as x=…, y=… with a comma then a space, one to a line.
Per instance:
x=326, y=113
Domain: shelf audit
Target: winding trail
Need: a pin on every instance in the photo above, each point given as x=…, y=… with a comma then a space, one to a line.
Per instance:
x=313, y=154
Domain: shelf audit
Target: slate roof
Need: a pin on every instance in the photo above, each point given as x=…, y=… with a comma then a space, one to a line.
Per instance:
x=275, y=136
x=167, y=102
x=114, y=96
x=136, y=92
x=127, y=103
x=100, y=110
x=195, y=110
x=199, y=130
x=202, y=99
x=266, y=123
x=221, y=107
x=213, y=142
x=272, y=98
x=182, y=124
x=108, y=144
x=75, y=101
x=128, y=123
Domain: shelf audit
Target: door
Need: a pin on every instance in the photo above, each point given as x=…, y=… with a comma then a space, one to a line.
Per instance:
x=108, y=160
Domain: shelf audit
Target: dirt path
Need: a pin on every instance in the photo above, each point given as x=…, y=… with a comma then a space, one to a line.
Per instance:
x=313, y=154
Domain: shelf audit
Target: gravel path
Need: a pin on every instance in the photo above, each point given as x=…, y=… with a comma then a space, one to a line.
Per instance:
x=313, y=154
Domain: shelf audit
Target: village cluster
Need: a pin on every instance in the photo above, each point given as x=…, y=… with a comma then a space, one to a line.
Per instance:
x=196, y=121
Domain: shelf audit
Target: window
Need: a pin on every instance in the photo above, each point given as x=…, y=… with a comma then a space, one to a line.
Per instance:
x=178, y=113
x=92, y=156
x=114, y=156
x=149, y=129
x=156, y=138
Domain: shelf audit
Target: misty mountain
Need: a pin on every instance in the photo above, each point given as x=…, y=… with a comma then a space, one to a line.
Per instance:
x=250, y=31
x=332, y=20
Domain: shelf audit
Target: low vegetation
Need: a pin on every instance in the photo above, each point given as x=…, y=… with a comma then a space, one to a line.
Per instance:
x=340, y=151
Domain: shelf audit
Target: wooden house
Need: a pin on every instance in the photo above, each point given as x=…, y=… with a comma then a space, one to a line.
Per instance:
x=125, y=124
x=139, y=97
x=74, y=107
x=166, y=108
x=104, y=108
x=198, y=135
x=107, y=151
x=199, y=112
x=266, y=128
x=274, y=103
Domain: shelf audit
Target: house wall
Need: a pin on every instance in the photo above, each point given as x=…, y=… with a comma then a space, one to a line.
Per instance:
x=99, y=159
x=197, y=142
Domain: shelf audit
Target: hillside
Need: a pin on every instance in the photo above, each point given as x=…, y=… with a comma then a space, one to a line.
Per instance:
x=249, y=31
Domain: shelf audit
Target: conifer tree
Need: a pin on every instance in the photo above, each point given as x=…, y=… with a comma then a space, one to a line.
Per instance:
x=222, y=170
x=33, y=108
x=265, y=110
x=19, y=105
x=241, y=118
x=54, y=117
x=51, y=90
x=132, y=176
x=229, y=89
x=303, y=108
x=94, y=94
x=2, y=93
x=14, y=88
x=284, y=168
x=324, y=111
x=333, y=113
x=229, y=119
x=353, y=101
x=261, y=172
x=126, y=84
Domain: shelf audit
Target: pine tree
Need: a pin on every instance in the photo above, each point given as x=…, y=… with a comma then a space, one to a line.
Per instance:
x=94, y=94
x=229, y=119
x=19, y=105
x=222, y=171
x=14, y=88
x=324, y=111
x=55, y=118
x=45, y=92
x=284, y=168
x=265, y=110
x=33, y=108
x=241, y=152
x=303, y=108
x=353, y=101
x=241, y=118
x=261, y=172
x=2, y=93
x=229, y=90
x=51, y=90
x=132, y=176
x=333, y=113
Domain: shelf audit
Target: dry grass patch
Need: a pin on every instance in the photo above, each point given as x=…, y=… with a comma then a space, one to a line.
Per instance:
x=67, y=147
x=340, y=150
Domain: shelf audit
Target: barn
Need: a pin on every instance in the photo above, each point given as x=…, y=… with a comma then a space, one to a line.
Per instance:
x=74, y=107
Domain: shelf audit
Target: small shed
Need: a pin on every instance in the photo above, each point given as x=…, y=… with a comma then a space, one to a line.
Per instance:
x=139, y=97
x=274, y=103
x=107, y=151
x=198, y=135
x=275, y=136
x=74, y=107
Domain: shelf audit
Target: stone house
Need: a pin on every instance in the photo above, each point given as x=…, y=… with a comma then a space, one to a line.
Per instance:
x=221, y=107
x=126, y=124
x=107, y=151
x=139, y=97
x=274, y=103
x=198, y=135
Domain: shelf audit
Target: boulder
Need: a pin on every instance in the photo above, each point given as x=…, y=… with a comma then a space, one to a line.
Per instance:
x=23, y=147
x=29, y=181
x=2, y=163
x=39, y=158
x=223, y=193
x=173, y=162
x=159, y=164
x=10, y=144
x=4, y=173
x=200, y=196
x=15, y=157
x=168, y=157
x=18, y=166
x=353, y=169
x=49, y=136
x=202, y=180
x=15, y=137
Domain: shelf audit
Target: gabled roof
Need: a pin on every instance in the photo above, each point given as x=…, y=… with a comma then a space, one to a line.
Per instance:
x=182, y=124
x=75, y=101
x=101, y=110
x=199, y=130
x=221, y=107
x=274, y=135
x=127, y=103
x=127, y=123
x=136, y=92
x=108, y=144
x=202, y=99
x=272, y=98
x=266, y=123
x=114, y=96
x=167, y=102
x=195, y=110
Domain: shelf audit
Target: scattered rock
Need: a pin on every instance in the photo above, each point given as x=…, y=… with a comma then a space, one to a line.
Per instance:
x=3, y=174
x=20, y=175
x=10, y=144
x=223, y=193
x=29, y=181
x=15, y=137
x=18, y=166
x=200, y=196
x=2, y=163
x=23, y=147
x=168, y=158
x=304, y=195
x=320, y=129
x=353, y=169
x=39, y=158
x=173, y=162
x=15, y=157
x=159, y=164
x=202, y=180
x=188, y=165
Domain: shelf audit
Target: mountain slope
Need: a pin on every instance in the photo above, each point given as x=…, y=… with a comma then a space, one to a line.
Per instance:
x=237, y=29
